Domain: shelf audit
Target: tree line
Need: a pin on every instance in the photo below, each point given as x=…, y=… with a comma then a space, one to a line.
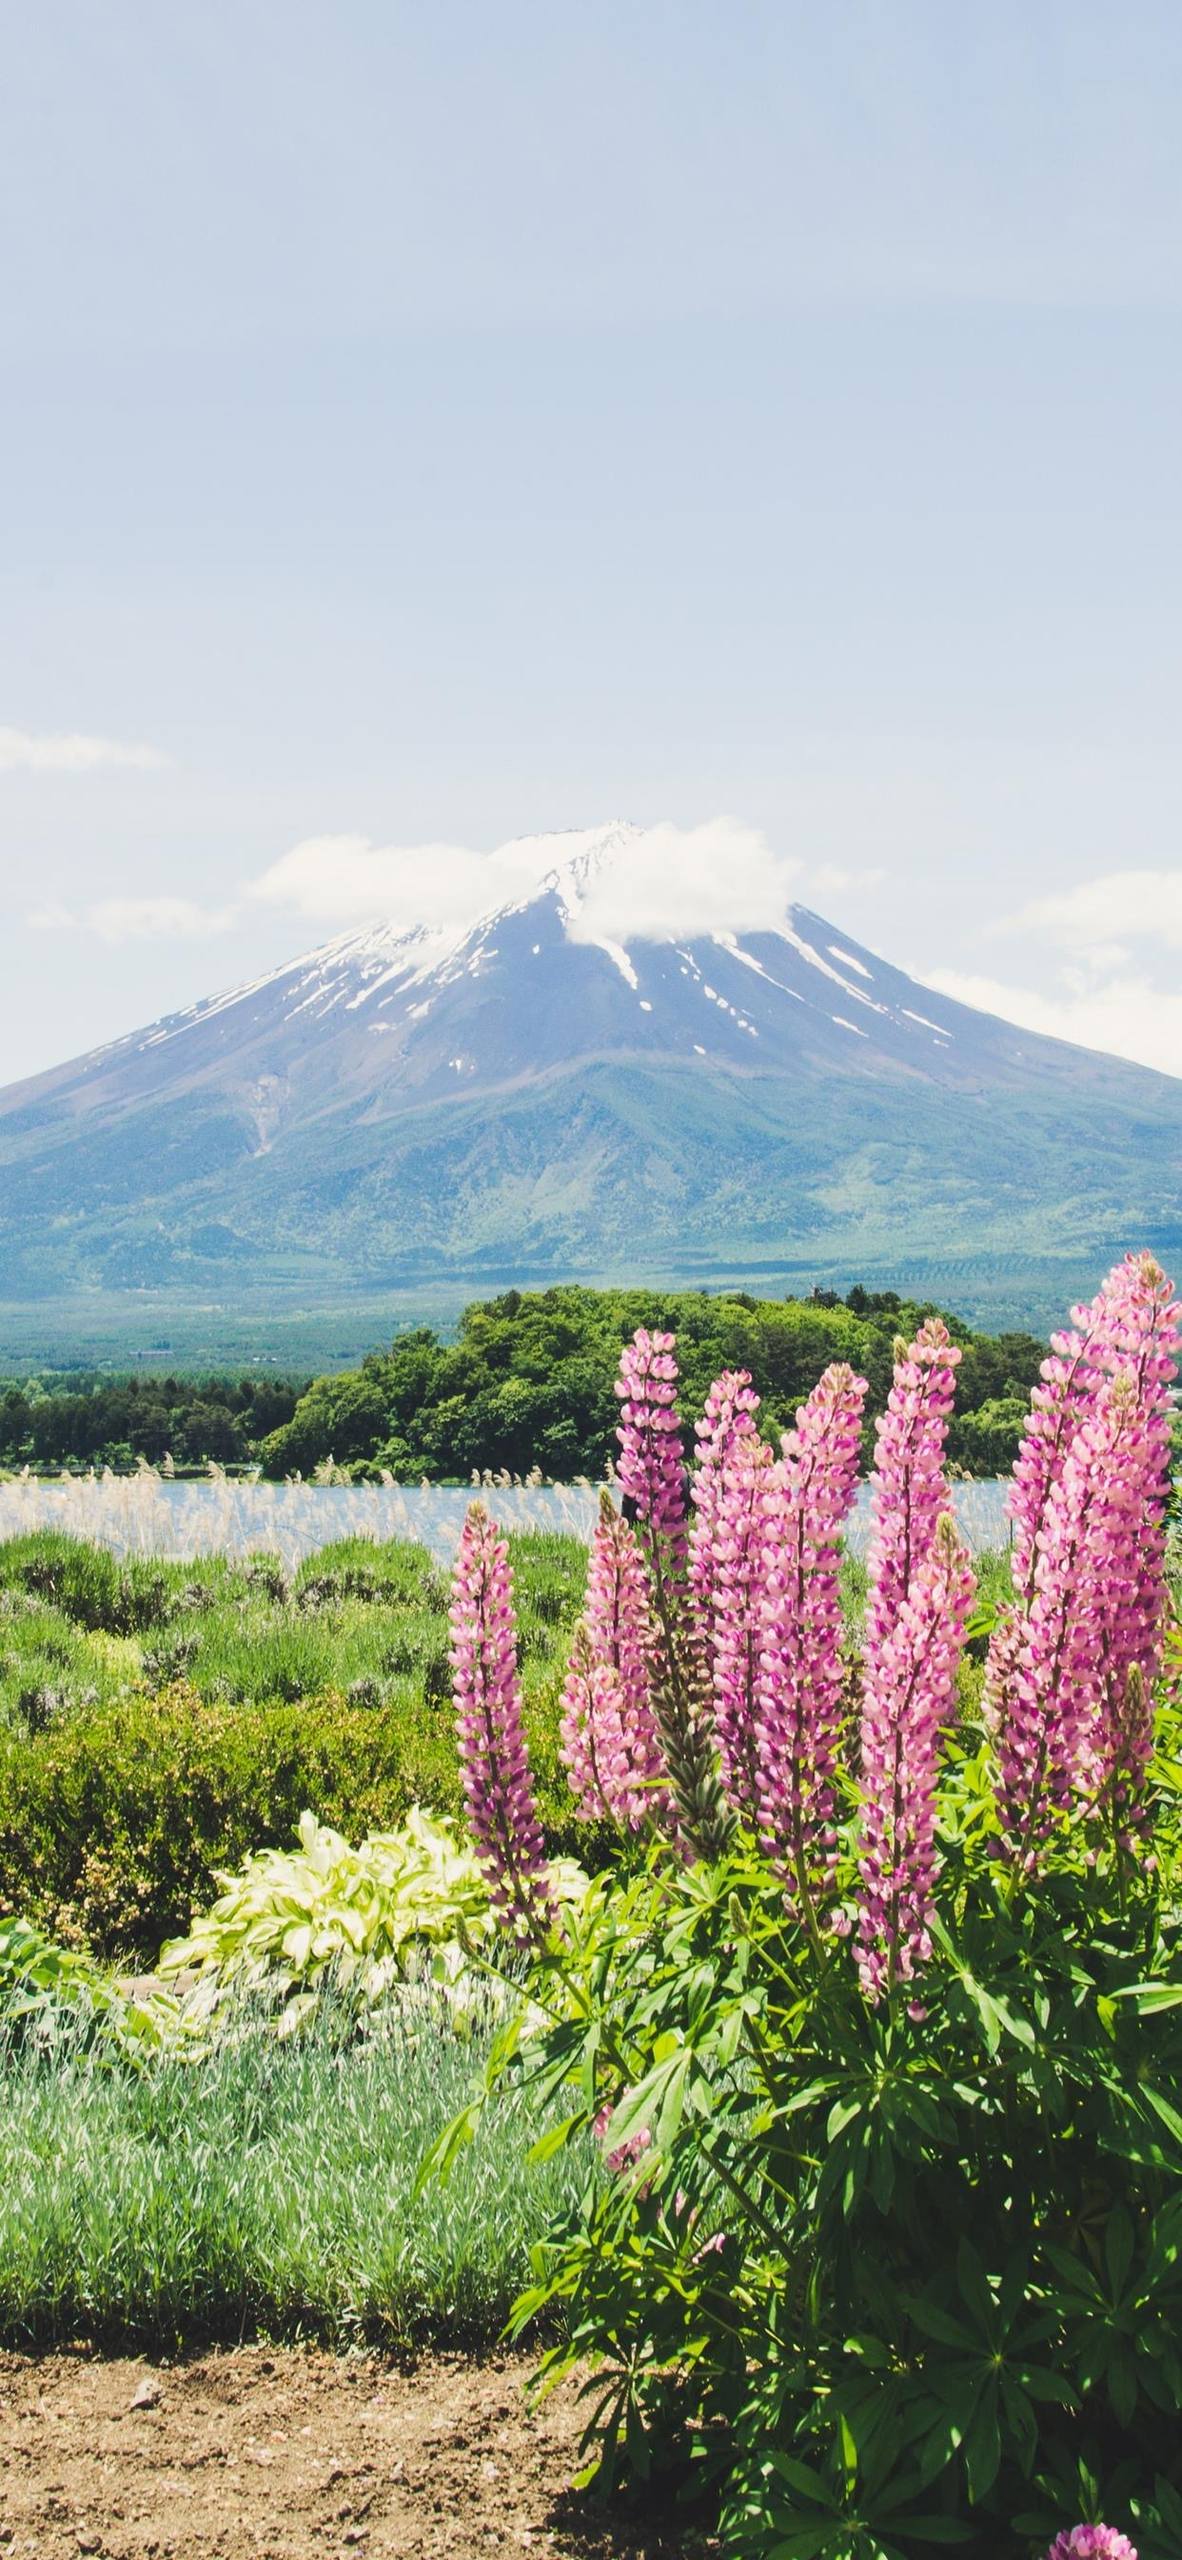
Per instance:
x=529, y=1380
x=527, y=1383
x=84, y=1420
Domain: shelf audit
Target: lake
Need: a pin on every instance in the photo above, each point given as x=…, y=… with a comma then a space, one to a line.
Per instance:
x=153, y=1515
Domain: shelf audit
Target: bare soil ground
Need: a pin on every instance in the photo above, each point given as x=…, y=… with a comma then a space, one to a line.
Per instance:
x=290, y=2454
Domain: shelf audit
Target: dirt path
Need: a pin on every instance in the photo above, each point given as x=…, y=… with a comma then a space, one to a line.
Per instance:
x=283, y=2454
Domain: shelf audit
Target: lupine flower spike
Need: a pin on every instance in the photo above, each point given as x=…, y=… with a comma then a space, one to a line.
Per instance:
x=489, y=1725
x=734, y=1587
x=651, y=1464
x=651, y=1472
x=909, y=1698
x=1092, y=2542
x=910, y=1490
x=801, y=1687
x=610, y=1739
x=1071, y=1667
x=728, y=1420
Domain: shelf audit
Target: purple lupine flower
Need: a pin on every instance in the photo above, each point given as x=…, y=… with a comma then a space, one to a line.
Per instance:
x=1070, y=1377
x=801, y=1681
x=729, y=1418
x=651, y=1464
x=1047, y=1677
x=909, y=1696
x=610, y=1738
x=1130, y=1323
x=651, y=1471
x=909, y=1487
x=1091, y=2542
x=490, y=1729
x=1071, y=1667
x=732, y=1591
x=589, y=1727
x=1143, y=1337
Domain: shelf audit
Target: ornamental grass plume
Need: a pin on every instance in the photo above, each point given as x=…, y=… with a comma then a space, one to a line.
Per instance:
x=910, y=1490
x=651, y=1471
x=489, y=1726
x=909, y=1697
x=801, y=1679
x=1091, y=2542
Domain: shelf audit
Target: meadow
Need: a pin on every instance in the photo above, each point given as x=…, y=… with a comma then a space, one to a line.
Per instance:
x=750, y=1968
x=160, y=1719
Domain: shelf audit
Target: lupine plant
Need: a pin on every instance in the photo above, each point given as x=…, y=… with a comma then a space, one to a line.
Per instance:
x=882, y=2042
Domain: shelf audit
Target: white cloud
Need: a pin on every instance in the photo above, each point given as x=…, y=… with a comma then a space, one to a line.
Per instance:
x=718, y=877
x=21, y=751
x=1102, y=993
x=835, y=880
x=136, y=919
x=346, y=880
x=721, y=877
x=1125, y=1014
x=1102, y=916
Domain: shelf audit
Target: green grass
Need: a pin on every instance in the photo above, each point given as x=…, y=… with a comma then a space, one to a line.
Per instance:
x=159, y=1720
x=77, y=1627
x=263, y=2187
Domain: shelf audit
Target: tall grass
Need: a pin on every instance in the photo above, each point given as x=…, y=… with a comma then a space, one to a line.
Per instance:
x=146, y=1515
x=77, y=1626
x=264, y=2187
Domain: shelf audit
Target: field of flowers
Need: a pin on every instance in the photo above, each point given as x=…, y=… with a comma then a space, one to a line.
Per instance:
x=795, y=2030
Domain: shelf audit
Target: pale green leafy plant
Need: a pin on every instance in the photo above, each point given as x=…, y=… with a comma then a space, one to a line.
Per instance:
x=408, y=1906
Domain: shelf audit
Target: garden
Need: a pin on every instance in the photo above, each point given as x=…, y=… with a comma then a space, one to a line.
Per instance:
x=739, y=1978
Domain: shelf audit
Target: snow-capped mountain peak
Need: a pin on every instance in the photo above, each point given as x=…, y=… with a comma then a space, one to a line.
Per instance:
x=542, y=1086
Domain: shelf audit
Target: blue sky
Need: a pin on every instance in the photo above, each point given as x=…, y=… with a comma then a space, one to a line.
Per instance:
x=429, y=425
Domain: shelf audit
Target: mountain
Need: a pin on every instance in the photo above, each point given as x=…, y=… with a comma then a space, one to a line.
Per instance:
x=517, y=1101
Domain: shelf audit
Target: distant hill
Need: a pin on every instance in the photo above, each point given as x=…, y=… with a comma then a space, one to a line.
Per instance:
x=407, y=1112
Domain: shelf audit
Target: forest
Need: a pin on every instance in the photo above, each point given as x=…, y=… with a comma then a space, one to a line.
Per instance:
x=527, y=1384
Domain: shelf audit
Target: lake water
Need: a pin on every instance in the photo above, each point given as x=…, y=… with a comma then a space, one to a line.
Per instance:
x=150, y=1515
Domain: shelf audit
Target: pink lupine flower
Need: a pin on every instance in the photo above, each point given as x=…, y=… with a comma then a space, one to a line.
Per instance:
x=589, y=1727
x=610, y=1739
x=651, y=1471
x=1070, y=1377
x=614, y=1768
x=910, y=1490
x=651, y=1464
x=801, y=1680
x=1142, y=1336
x=733, y=1592
x=1091, y=2542
x=909, y=1695
x=728, y=1419
x=1047, y=1688
x=489, y=1726
x=1071, y=1667
x=1131, y=1323
x=626, y=2153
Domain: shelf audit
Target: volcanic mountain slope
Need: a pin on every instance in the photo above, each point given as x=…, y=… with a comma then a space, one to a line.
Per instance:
x=515, y=1100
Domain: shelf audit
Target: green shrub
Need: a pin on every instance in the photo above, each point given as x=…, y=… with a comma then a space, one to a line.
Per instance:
x=113, y=1823
x=904, y=2276
x=161, y=1720
x=86, y=1583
